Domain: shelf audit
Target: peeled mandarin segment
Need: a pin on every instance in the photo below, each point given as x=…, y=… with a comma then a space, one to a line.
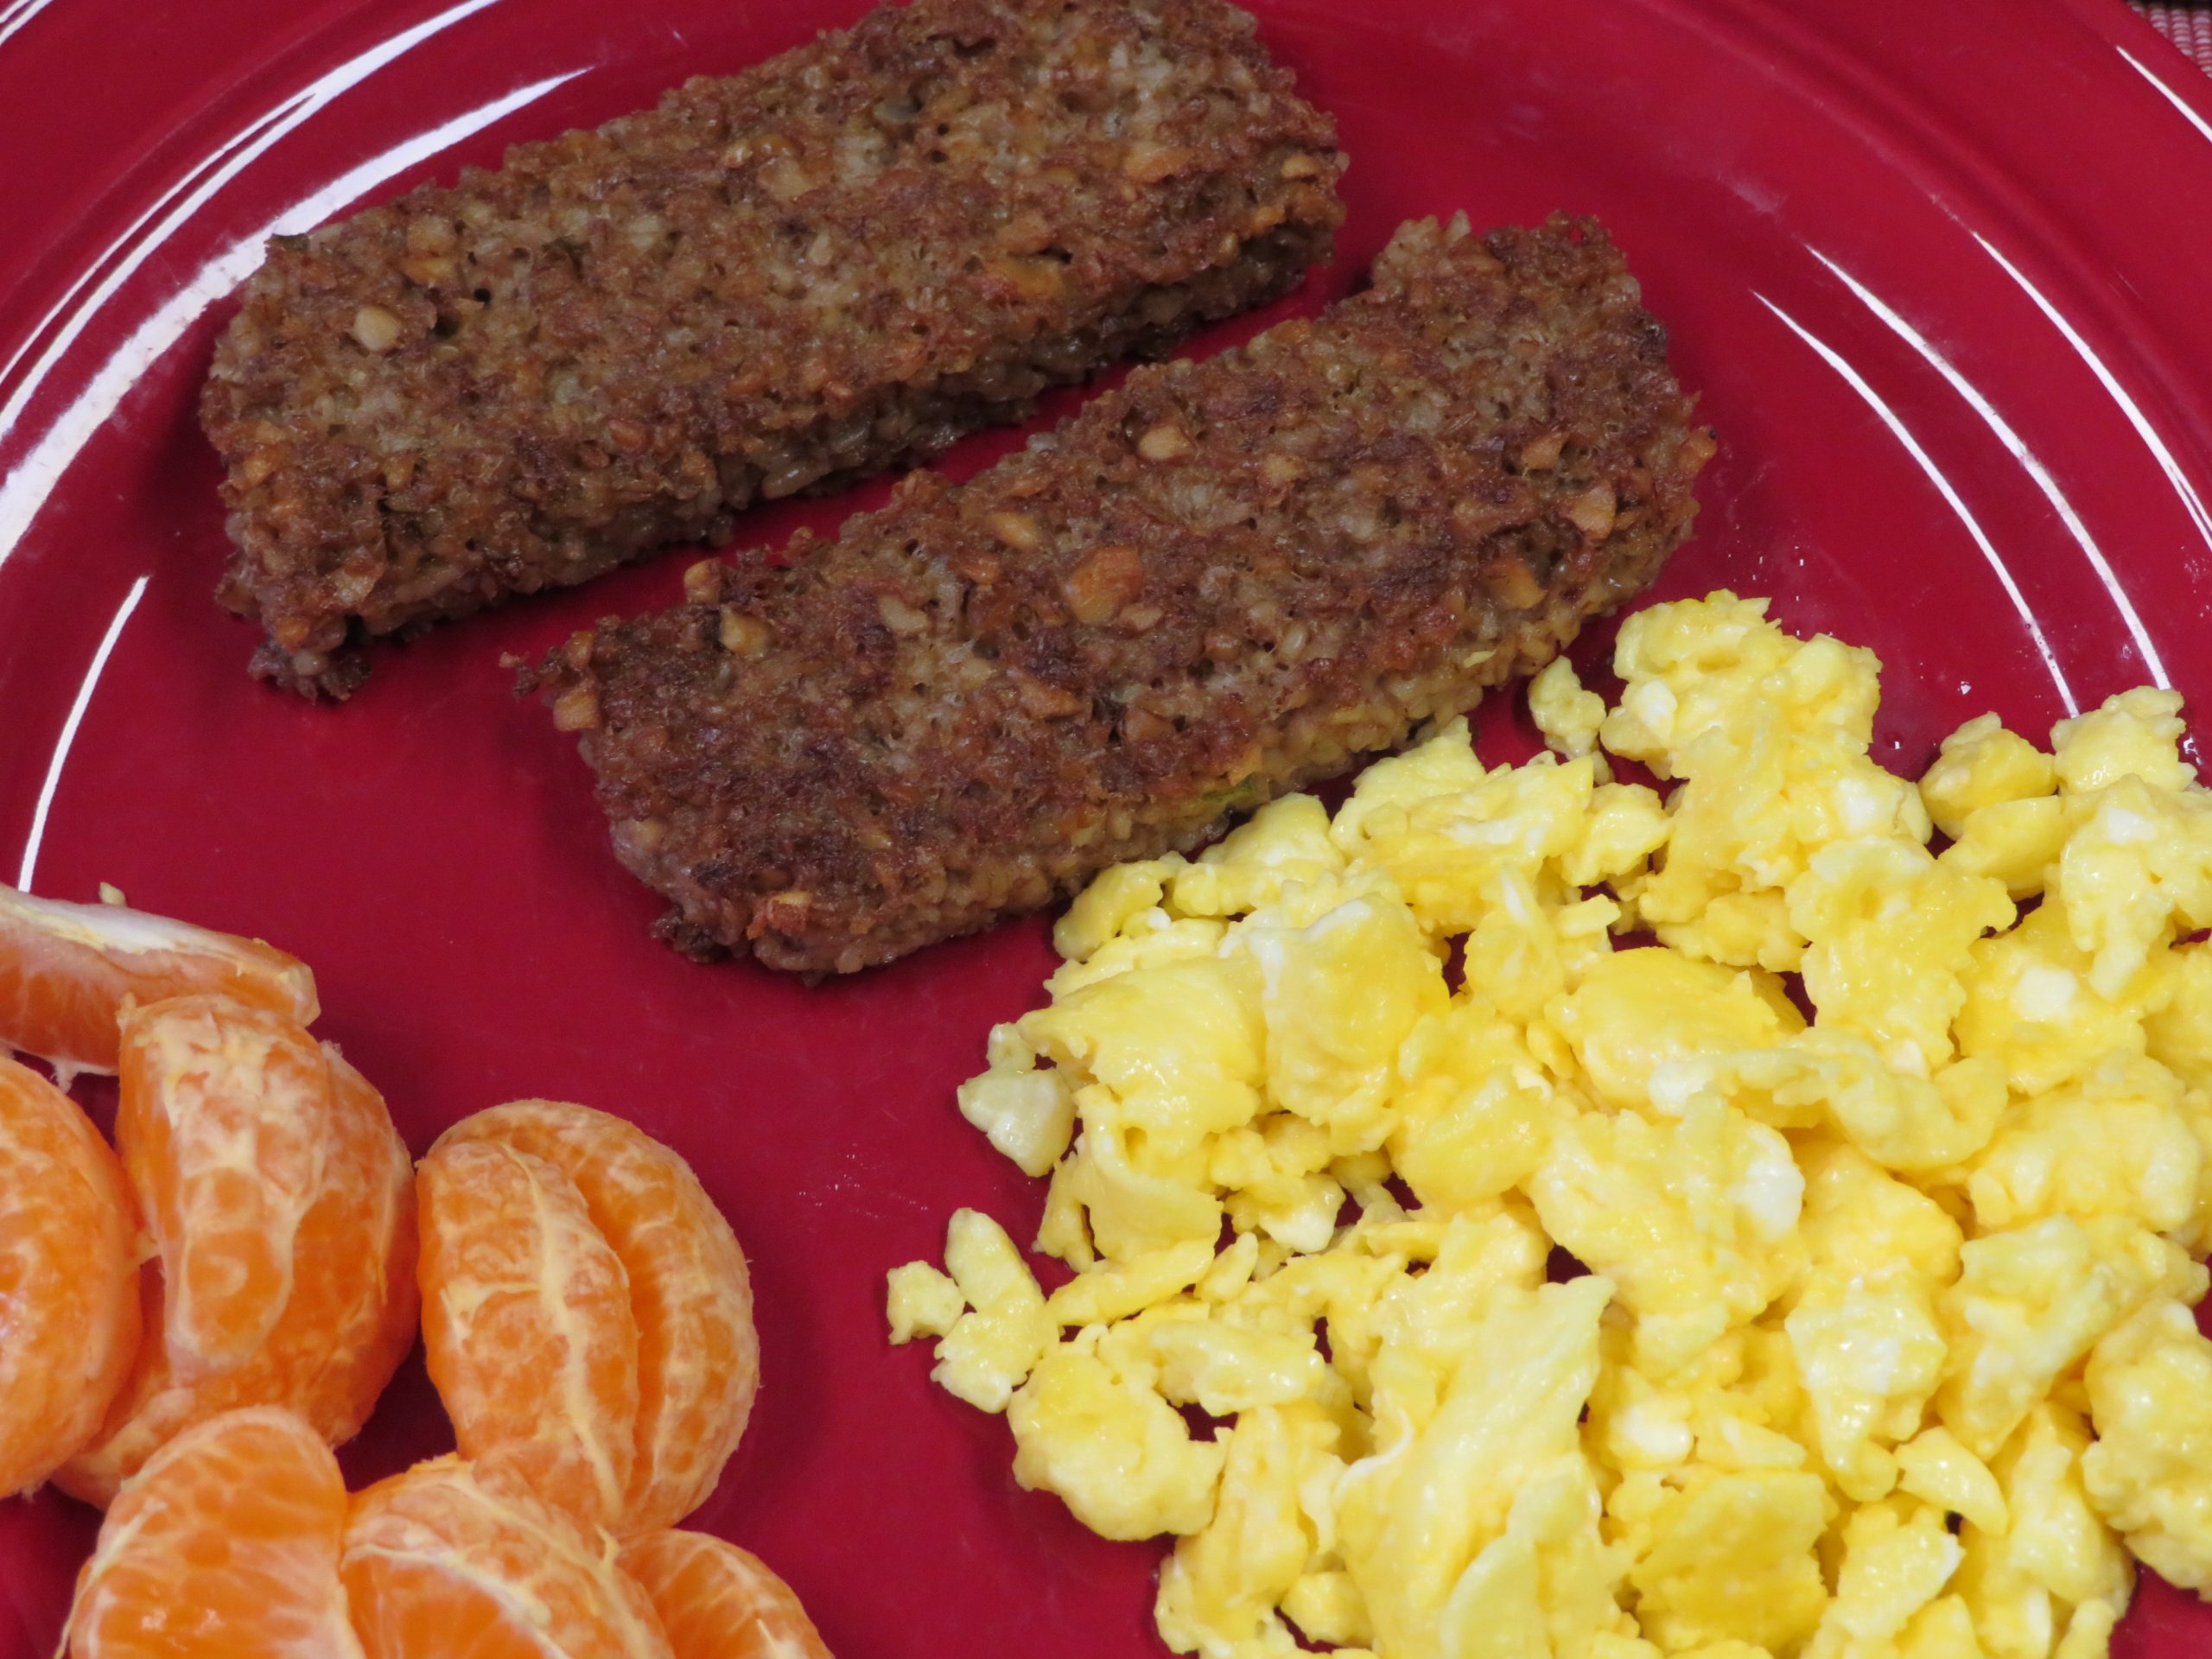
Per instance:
x=698, y=1356
x=526, y=1325
x=225, y=1544
x=467, y=1563
x=69, y=1323
x=348, y=1324
x=226, y=1124
x=717, y=1601
x=66, y=970
x=368, y=1307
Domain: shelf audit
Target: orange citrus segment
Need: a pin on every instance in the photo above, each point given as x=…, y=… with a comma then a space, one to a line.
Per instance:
x=69, y=1323
x=698, y=1357
x=346, y=1326
x=465, y=1563
x=225, y=1544
x=717, y=1601
x=526, y=1325
x=66, y=970
x=226, y=1121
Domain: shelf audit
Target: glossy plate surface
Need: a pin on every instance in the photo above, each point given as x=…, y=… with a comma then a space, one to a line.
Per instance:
x=1936, y=270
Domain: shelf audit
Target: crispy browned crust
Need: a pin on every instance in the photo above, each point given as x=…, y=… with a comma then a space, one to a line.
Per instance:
x=1220, y=582
x=841, y=259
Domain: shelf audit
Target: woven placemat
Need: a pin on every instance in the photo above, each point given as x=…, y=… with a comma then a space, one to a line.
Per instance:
x=2188, y=27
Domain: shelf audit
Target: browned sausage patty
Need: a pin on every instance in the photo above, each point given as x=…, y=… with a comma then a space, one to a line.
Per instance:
x=1219, y=583
x=837, y=261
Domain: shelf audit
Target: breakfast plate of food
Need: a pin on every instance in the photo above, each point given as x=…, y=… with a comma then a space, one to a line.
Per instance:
x=1108, y=826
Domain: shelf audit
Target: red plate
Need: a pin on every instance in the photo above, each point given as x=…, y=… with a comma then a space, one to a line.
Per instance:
x=1938, y=270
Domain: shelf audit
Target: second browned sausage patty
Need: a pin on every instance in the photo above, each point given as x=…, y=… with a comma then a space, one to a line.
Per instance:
x=1216, y=584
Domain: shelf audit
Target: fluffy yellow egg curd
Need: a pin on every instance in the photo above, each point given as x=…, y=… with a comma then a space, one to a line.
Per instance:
x=1885, y=1349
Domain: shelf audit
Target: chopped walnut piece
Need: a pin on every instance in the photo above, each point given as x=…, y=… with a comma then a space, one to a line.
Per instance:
x=1165, y=442
x=1108, y=578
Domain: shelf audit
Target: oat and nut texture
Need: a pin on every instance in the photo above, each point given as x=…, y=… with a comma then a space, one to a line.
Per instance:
x=1217, y=583
x=836, y=262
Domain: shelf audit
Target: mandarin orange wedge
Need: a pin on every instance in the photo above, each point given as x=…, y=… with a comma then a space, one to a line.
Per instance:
x=69, y=1248
x=66, y=970
x=225, y=1545
x=467, y=1563
x=526, y=1325
x=717, y=1601
x=230, y=1116
x=285, y=1222
x=691, y=1303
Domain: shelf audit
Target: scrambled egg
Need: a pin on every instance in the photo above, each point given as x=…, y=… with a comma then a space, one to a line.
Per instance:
x=1876, y=1341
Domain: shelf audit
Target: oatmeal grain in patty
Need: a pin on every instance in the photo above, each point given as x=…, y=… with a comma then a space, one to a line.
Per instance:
x=1217, y=583
x=835, y=261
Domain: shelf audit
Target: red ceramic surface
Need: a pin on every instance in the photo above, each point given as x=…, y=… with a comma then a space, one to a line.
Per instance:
x=1937, y=270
